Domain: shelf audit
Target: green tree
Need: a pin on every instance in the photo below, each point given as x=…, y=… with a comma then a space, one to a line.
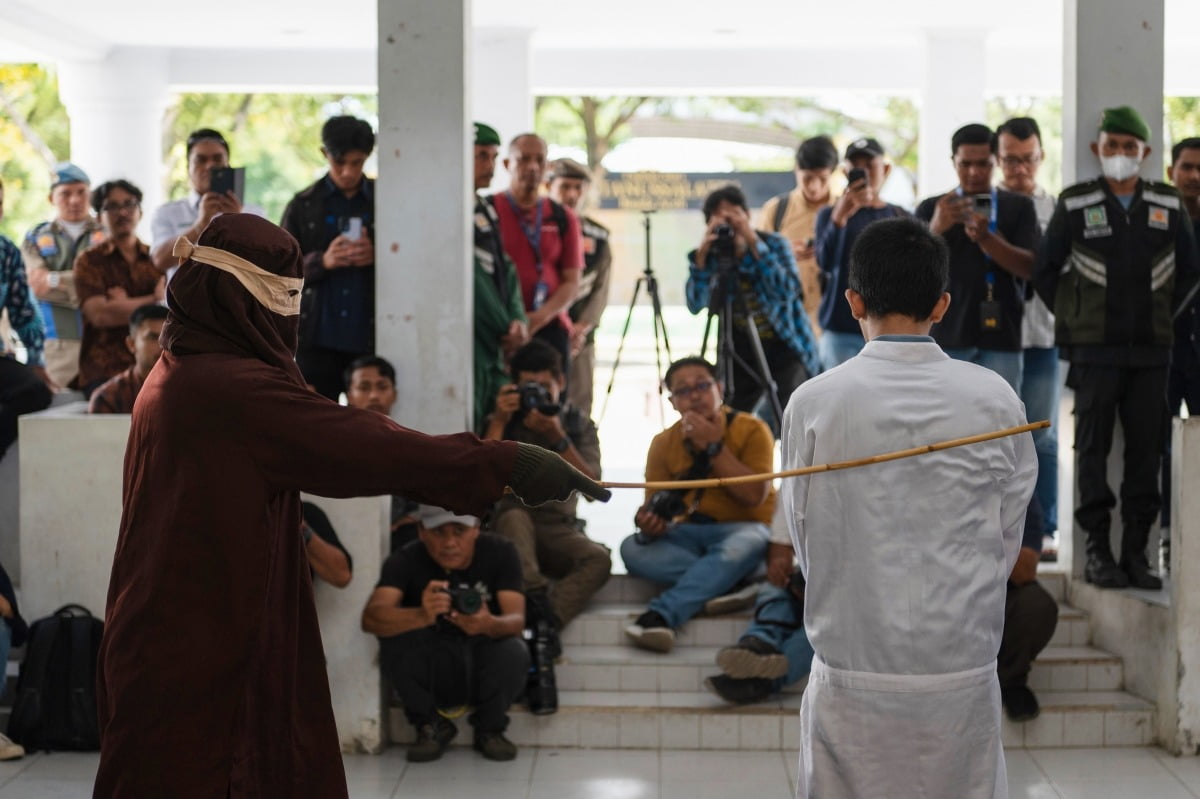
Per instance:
x=34, y=135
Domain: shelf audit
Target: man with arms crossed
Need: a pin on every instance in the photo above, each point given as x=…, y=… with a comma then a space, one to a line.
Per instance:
x=905, y=561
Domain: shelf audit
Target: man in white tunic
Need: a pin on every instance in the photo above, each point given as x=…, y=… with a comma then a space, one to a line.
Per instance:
x=906, y=561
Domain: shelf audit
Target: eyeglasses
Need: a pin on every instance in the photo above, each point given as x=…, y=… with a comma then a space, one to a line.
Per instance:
x=1014, y=161
x=683, y=392
x=112, y=208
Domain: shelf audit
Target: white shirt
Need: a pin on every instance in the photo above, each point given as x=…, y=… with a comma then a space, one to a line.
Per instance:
x=171, y=220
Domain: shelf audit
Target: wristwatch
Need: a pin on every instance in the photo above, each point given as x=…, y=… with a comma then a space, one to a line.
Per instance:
x=562, y=445
x=712, y=449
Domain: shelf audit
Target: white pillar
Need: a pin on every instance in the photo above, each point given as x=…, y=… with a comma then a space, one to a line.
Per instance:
x=952, y=95
x=116, y=111
x=1120, y=62
x=423, y=305
x=501, y=94
x=1184, y=738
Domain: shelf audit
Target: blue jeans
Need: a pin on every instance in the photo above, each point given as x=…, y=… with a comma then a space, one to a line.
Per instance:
x=779, y=620
x=1041, y=389
x=5, y=645
x=1002, y=362
x=835, y=348
x=698, y=561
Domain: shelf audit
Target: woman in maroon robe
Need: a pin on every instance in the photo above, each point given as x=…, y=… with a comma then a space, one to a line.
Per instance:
x=212, y=676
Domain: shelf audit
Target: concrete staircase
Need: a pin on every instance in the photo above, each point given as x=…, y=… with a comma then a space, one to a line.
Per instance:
x=613, y=695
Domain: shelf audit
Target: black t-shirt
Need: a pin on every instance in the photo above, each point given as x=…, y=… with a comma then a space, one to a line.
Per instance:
x=494, y=568
x=1016, y=220
x=315, y=518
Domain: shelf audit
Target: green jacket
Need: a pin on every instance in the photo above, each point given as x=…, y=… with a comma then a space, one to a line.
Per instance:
x=497, y=305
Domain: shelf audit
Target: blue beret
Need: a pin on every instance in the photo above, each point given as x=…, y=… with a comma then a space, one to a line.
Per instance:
x=66, y=172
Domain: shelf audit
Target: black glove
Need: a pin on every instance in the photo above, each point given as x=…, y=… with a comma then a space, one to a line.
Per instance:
x=541, y=476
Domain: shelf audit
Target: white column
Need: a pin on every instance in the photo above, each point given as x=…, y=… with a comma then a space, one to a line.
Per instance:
x=116, y=111
x=423, y=306
x=952, y=95
x=501, y=93
x=1185, y=599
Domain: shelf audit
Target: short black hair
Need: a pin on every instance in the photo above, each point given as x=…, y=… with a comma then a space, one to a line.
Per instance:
x=691, y=360
x=197, y=136
x=1020, y=128
x=973, y=134
x=143, y=313
x=101, y=192
x=344, y=134
x=898, y=266
x=365, y=362
x=536, y=356
x=819, y=152
x=731, y=193
x=1192, y=143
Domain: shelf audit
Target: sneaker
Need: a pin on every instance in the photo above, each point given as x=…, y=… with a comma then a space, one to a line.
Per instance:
x=738, y=692
x=652, y=632
x=732, y=602
x=752, y=657
x=494, y=746
x=10, y=750
x=1019, y=703
x=432, y=739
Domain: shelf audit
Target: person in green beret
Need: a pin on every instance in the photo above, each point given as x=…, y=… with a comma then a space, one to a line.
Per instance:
x=1118, y=262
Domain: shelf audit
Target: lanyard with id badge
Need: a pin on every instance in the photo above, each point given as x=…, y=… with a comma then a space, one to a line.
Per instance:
x=534, y=236
x=989, y=309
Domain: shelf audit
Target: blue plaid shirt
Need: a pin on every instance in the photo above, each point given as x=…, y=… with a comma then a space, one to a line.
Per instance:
x=771, y=271
x=23, y=312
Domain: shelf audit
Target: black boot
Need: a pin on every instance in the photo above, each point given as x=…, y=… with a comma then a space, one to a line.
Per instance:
x=1133, y=558
x=1101, y=570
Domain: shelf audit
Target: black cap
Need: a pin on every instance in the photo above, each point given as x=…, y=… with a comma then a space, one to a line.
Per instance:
x=867, y=146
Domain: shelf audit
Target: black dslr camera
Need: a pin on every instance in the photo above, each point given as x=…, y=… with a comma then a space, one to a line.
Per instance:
x=465, y=599
x=667, y=505
x=724, y=245
x=535, y=397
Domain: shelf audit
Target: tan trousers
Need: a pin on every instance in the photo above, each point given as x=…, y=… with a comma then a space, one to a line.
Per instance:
x=579, y=382
x=62, y=359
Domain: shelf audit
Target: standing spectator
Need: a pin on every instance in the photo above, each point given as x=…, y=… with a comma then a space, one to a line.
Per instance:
x=542, y=238
x=113, y=279
x=24, y=388
x=50, y=250
x=568, y=183
x=206, y=150
x=766, y=279
x=992, y=235
x=795, y=215
x=838, y=227
x=500, y=324
x=333, y=221
x=1118, y=264
x=1019, y=147
x=118, y=394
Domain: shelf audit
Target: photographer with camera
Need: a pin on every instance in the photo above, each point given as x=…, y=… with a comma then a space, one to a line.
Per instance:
x=759, y=266
x=549, y=538
x=448, y=612
x=703, y=542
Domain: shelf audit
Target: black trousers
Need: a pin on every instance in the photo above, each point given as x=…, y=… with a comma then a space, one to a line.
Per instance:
x=432, y=670
x=1137, y=396
x=325, y=369
x=785, y=367
x=21, y=391
x=1030, y=616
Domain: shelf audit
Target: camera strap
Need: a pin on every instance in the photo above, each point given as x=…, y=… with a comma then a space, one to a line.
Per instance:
x=701, y=464
x=993, y=226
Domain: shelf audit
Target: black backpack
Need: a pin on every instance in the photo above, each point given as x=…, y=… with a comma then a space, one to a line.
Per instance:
x=55, y=706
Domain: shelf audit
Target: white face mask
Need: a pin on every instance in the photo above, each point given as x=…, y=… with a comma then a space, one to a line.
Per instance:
x=1120, y=167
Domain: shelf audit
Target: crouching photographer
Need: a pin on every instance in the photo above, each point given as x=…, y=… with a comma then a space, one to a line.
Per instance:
x=702, y=542
x=448, y=612
x=562, y=568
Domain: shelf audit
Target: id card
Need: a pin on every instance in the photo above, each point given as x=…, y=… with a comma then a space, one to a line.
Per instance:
x=540, y=292
x=989, y=316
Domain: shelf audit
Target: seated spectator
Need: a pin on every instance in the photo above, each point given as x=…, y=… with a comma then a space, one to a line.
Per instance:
x=13, y=632
x=549, y=538
x=117, y=395
x=113, y=279
x=371, y=386
x=50, y=250
x=448, y=612
x=206, y=150
x=774, y=651
x=327, y=558
x=699, y=542
x=24, y=387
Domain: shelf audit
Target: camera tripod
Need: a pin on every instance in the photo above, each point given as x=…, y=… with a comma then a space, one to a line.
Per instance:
x=726, y=295
x=660, y=327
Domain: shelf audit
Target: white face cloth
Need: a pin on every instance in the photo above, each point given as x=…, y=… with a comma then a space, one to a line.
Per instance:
x=275, y=292
x=1119, y=167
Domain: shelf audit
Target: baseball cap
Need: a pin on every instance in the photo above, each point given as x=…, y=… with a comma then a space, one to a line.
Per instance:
x=865, y=146
x=66, y=172
x=432, y=517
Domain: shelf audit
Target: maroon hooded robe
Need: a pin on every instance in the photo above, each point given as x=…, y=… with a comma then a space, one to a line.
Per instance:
x=212, y=677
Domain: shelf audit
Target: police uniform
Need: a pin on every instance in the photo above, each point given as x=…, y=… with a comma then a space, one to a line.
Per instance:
x=588, y=308
x=49, y=246
x=1115, y=278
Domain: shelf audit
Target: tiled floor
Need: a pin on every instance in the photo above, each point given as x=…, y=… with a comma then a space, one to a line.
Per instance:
x=637, y=774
